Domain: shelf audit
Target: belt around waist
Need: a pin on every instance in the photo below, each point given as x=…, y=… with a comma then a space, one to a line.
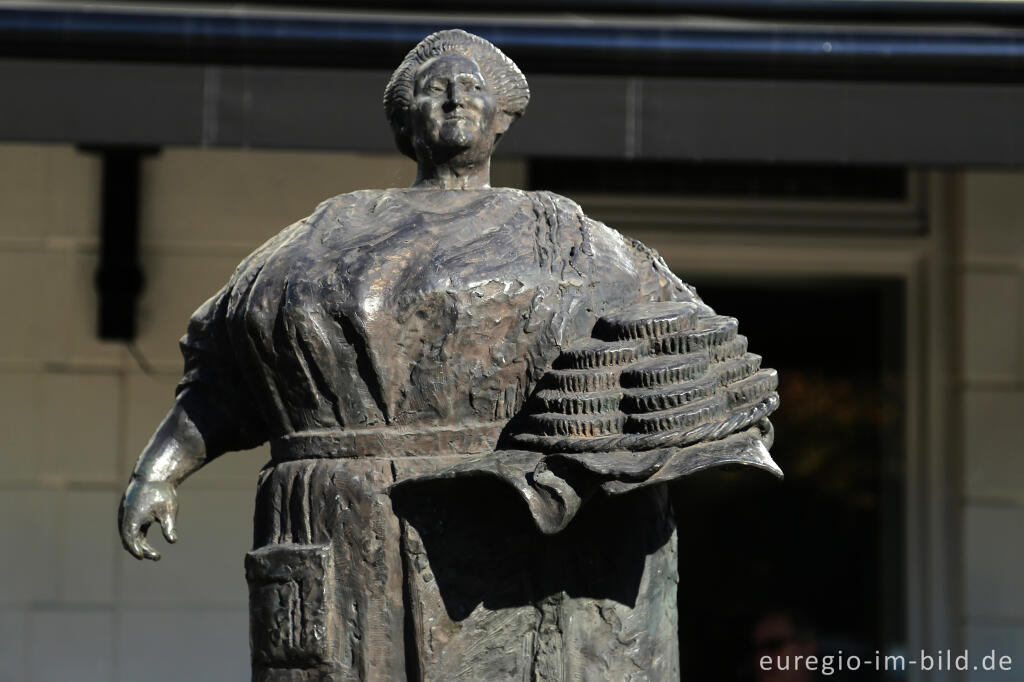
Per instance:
x=462, y=439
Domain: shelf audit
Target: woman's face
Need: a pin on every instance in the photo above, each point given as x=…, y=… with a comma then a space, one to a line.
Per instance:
x=453, y=111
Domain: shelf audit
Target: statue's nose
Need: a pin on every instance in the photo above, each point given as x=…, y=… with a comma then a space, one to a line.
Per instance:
x=456, y=97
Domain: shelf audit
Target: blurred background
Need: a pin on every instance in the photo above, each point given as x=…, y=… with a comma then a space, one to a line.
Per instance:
x=845, y=177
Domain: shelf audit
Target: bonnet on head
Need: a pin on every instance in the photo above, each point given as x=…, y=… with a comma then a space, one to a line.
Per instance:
x=503, y=76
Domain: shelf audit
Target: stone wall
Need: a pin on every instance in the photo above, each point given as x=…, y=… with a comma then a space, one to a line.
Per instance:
x=991, y=273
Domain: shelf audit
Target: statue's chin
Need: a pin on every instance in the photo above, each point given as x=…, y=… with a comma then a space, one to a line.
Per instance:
x=460, y=142
x=456, y=137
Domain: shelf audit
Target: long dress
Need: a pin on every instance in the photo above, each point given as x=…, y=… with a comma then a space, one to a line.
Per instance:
x=392, y=337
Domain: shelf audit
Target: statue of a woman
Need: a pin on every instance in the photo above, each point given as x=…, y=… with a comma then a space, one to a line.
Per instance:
x=473, y=396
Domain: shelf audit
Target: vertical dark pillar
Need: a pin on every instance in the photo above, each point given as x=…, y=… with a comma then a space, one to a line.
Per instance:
x=119, y=278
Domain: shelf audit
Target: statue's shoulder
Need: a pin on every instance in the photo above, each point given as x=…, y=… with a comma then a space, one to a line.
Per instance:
x=566, y=212
x=334, y=208
x=596, y=247
x=554, y=202
x=334, y=212
x=330, y=212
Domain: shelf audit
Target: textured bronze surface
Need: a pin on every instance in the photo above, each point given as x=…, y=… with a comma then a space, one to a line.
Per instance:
x=669, y=376
x=474, y=398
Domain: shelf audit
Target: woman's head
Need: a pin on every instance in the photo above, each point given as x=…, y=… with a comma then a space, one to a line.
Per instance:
x=463, y=65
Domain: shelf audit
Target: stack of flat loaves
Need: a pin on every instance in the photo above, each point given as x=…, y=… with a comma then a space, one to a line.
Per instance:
x=655, y=375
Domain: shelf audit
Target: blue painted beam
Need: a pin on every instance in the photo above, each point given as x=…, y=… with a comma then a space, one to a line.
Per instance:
x=677, y=48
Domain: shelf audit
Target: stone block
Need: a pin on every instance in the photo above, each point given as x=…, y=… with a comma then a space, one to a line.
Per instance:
x=72, y=645
x=169, y=645
x=56, y=194
x=29, y=336
x=21, y=409
x=993, y=562
x=995, y=640
x=992, y=326
x=89, y=546
x=244, y=197
x=78, y=427
x=54, y=314
x=29, y=564
x=14, y=623
x=993, y=436
x=994, y=214
x=59, y=427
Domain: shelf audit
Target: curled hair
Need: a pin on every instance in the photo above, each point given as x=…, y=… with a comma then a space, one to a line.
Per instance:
x=502, y=75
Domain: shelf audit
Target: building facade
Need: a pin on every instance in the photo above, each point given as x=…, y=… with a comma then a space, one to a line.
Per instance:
x=893, y=186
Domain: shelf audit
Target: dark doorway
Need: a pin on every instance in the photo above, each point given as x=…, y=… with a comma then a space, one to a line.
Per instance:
x=825, y=546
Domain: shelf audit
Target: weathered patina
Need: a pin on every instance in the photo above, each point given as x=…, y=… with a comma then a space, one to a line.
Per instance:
x=474, y=398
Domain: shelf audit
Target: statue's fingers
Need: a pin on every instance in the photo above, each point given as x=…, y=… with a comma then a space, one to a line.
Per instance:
x=130, y=535
x=148, y=552
x=135, y=549
x=145, y=549
x=166, y=519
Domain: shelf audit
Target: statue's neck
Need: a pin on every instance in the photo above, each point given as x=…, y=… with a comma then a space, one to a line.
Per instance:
x=449, y=176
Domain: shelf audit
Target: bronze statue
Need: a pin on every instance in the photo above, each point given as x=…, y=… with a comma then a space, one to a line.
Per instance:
x=474, y=398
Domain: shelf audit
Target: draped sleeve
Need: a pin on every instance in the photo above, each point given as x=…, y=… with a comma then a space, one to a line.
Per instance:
x=215, y=389
x=668, y=284
x=613, y=256
x=212, y=389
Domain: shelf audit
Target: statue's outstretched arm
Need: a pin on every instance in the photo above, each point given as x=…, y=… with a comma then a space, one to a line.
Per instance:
x=175, y=451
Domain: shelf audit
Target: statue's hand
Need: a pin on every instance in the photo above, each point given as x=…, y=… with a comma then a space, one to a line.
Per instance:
x=143, y=503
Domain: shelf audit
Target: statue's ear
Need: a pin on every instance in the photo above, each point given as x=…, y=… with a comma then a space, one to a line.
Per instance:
x=401, y=127
x=400, y=123
x=501, y=123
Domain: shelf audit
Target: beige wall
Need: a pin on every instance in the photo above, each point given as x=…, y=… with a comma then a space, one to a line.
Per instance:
x=75, y=412
x=991, y=273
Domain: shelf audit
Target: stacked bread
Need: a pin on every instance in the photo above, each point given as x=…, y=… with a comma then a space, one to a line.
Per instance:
x=653, y=375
